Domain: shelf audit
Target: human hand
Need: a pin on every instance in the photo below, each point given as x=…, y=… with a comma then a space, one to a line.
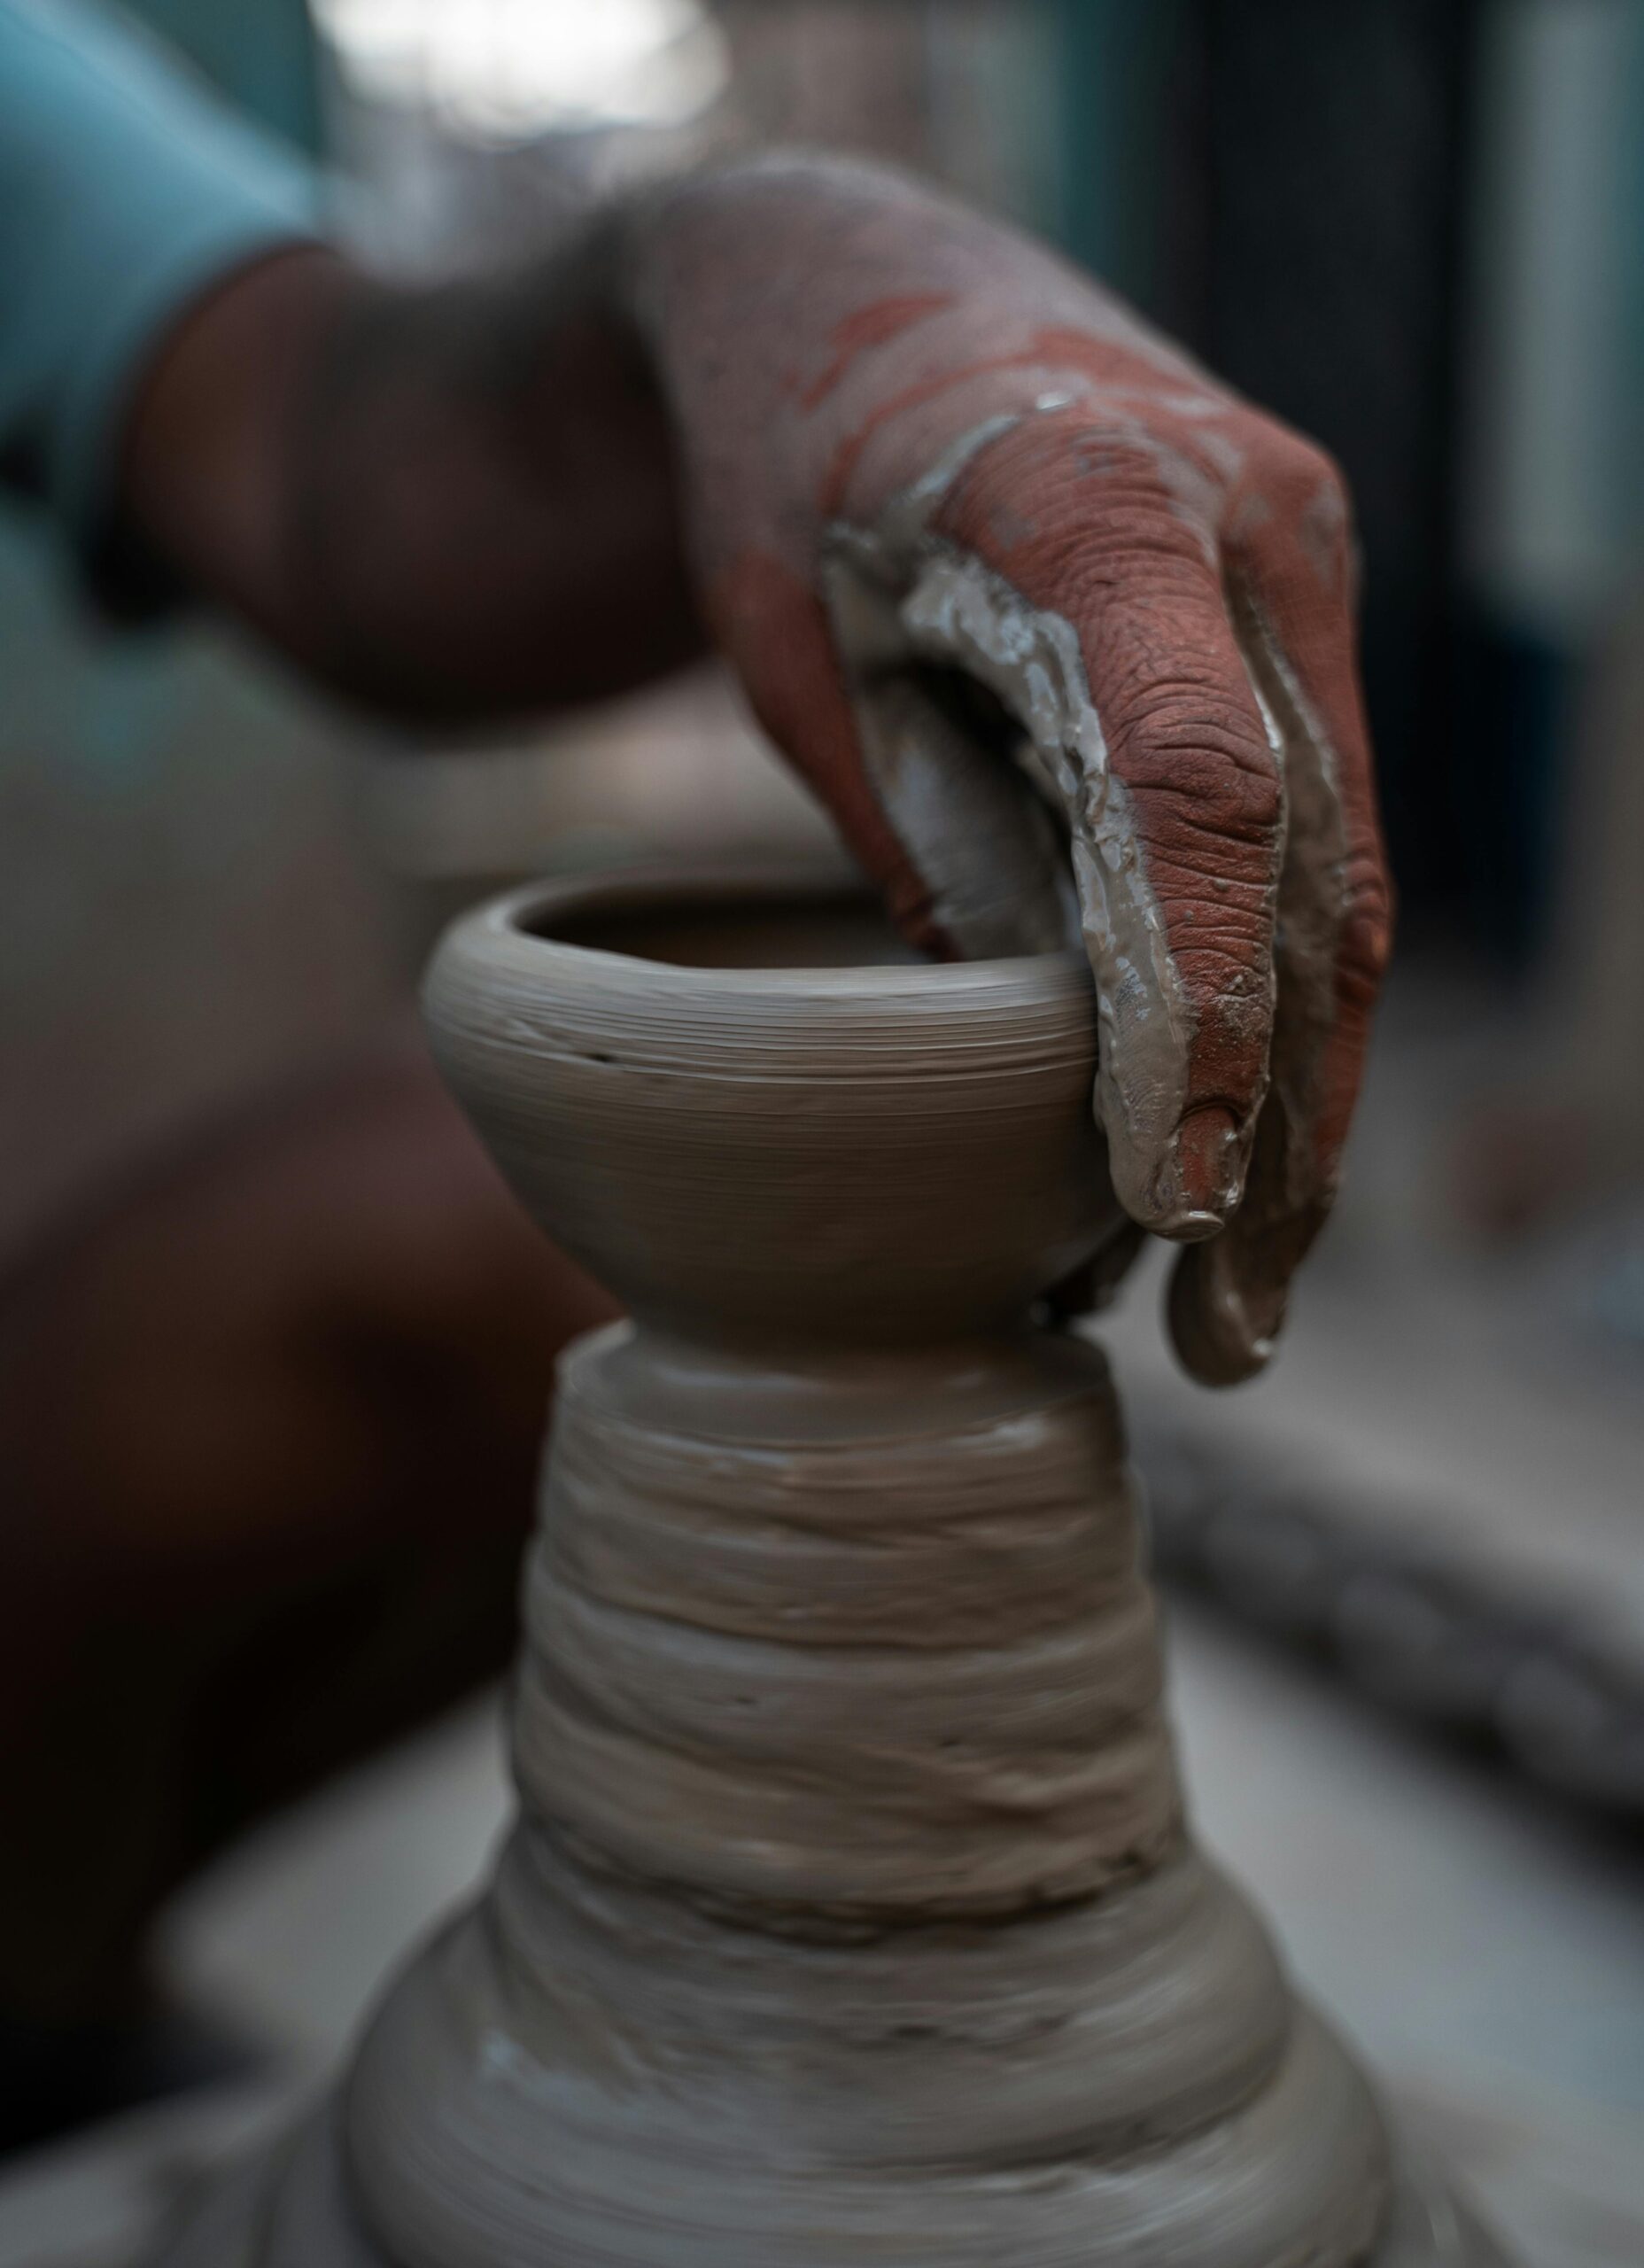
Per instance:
x=1059, y=629
x=1062, y=632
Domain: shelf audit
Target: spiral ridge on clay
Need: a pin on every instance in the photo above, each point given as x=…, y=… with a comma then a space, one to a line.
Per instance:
x=850, y=1920
x=901, y=1675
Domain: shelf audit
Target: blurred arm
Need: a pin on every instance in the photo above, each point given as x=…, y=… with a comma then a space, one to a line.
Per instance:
x=886, y=444
x=126, y=191
x=442, y=502
x=447, y=503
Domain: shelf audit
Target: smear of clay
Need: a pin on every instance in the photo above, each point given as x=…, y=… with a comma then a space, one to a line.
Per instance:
x=897, y=593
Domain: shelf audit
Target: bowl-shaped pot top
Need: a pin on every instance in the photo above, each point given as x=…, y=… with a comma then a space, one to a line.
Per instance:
x=743, y=1105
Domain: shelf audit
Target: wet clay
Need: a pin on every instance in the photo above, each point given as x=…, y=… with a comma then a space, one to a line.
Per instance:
x=850, y=1915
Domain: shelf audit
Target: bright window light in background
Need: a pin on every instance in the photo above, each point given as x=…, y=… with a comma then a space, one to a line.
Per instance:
x=506, y=70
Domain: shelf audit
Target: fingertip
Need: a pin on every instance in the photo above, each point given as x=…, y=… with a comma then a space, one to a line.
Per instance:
x=1195, y=1186
x=1223, y=1337
x=1193, y=1228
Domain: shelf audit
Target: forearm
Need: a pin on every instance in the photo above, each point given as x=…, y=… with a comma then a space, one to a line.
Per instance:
x=446, y=504
x=462, y=502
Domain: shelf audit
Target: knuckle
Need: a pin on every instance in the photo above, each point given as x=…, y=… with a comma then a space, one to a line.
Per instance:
x=1303, y=466
x=1312, y=501
x=1201, y=782
x=1179, y=712
x=1066, y=480
x=1212, y=877
x=1365, y=946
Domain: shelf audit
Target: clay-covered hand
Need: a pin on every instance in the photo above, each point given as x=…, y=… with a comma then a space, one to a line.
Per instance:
x=1059, y=628
x=1009, y=578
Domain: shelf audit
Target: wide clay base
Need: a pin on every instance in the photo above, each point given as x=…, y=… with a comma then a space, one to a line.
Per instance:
x=291, y=2207
x=590, y=2070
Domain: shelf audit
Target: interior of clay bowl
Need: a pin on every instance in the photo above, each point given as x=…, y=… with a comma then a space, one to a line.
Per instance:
x=761, y=926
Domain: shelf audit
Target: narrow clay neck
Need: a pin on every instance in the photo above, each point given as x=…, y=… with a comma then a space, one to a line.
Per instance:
x=854, y=1669
x=803, y=1385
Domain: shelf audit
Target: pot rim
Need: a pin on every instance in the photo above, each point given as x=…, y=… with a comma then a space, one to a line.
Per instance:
x=506, y=925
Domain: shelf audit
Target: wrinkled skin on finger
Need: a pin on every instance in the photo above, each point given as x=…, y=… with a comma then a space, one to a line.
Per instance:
x=1062, y=632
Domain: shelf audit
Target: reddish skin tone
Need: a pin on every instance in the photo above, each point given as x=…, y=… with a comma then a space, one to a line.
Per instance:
x=870, y=326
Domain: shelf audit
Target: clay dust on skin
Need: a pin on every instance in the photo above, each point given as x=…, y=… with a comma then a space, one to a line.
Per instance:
x=898, y=594
x=918, y=598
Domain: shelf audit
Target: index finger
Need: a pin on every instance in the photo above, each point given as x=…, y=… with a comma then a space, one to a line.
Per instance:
x=1074, y=574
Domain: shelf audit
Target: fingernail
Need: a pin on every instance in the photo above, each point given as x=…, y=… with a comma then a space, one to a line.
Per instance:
x=1201, y=1176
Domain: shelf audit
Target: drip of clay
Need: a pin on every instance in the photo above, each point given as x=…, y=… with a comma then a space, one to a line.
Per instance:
x=850, y=1916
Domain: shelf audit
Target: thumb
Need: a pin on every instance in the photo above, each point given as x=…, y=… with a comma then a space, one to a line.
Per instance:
x=912, y=761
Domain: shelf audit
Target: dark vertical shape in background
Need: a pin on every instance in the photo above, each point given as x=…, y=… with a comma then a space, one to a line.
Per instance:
x=1329, y=243
x=1131, y=161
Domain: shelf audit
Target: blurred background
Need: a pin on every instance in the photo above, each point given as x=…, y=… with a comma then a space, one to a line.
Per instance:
x=1408, y=1566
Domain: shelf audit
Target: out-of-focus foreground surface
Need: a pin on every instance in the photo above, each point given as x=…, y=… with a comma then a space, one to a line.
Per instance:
x=1418, y=231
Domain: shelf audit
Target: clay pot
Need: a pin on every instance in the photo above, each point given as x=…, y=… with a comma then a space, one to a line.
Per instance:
x=756, y=1116
x=850, y=1917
